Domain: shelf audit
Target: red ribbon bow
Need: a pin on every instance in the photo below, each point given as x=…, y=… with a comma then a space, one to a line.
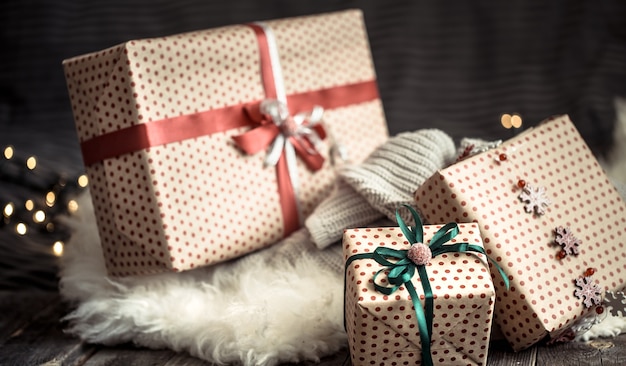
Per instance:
x=300, y=130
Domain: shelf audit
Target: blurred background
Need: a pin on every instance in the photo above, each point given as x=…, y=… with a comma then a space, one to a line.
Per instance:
x=458, y=66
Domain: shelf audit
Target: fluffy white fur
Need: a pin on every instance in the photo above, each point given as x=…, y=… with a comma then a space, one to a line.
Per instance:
x=611, y=326
x=262, y=310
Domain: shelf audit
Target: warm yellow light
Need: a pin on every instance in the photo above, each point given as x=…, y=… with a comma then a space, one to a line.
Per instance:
x=57, y=248
x=516, y=121
x=50, y=198
x=8, y=152
x=8, y=209
x=83, y=181
x=31, y=163
x=29, y=205
x=21, y=228
x=505, y=120
x=39, y=216
x=72, y=206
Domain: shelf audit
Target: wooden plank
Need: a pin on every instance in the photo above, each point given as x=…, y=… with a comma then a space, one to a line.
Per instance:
x=42, y=341
x=129, y=355
x=338, y=359
x=183, y=359
x=611, y=351
x=17, y=309
x=604, y=351
x=501, y=354
x=572, y=353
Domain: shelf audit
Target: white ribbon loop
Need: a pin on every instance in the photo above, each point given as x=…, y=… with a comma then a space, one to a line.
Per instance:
x=273, y=154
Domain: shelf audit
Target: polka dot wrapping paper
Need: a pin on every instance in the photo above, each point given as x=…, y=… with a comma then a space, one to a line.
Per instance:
x=548, y=215
x=171, y=189
x=382, y=329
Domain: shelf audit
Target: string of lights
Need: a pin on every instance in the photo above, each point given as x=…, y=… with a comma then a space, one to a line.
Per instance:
x=50, y=196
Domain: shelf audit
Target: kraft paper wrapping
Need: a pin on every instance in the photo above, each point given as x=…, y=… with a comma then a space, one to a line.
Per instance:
x=382, y=330
x=202, y=200
x=485, y=188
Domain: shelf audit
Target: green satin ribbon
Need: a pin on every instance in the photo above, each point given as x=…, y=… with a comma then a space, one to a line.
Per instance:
x=402, y=269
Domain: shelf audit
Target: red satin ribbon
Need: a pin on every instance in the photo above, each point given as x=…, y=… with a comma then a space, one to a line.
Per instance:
x=286, y=192
x=175, y=129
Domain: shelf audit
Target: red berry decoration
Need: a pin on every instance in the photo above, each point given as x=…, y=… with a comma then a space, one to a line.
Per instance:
x=589, y=272
x=502, y=157
x=599, y=310
x=561, y=254
x=521, y=183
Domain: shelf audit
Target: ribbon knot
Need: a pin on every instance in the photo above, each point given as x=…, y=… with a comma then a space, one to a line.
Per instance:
x=420, y=254
x=279, y=132
x=400, y=268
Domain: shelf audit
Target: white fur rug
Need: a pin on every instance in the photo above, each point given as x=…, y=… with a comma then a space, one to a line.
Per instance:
x=264, y=309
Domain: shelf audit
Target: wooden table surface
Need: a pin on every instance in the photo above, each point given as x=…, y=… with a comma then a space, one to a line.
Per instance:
x=31, y=334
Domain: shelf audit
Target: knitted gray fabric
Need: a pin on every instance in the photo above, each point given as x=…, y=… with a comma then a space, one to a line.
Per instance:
x=343, y=209
x=381, y=184
x=393, y=172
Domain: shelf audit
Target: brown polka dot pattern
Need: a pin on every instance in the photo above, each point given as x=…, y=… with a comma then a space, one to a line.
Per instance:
x=382, y=330
x=481, y=189
x=201, y=201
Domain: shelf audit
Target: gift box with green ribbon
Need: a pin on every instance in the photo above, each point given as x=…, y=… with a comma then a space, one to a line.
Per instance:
x=420, y=294
x=549, y=216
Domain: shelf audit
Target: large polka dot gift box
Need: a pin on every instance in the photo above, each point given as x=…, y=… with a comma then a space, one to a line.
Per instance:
x=549, y=216
x=204, y=146
x=383, y=329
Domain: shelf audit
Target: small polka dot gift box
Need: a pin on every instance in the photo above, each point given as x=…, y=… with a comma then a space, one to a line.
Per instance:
x=442, y=269
x=204, y=146
x=549, y=216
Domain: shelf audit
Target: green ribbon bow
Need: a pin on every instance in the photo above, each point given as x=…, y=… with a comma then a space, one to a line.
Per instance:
x=402, y=269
